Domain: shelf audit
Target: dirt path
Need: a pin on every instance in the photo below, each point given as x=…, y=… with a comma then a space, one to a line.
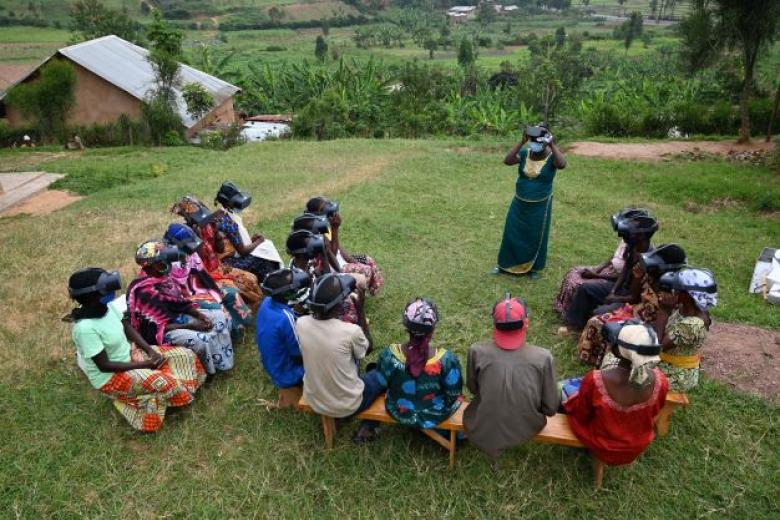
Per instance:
x=664, y=149
x=42, y=203
x=745, y=358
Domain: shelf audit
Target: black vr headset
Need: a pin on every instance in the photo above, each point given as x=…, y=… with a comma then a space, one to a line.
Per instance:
x=419, y=328
x=628, y=228
x=106, y=283
x=231, y=197
x=508, y=323
x=347, y=284
x=330, y=209
x=628, y=213
x=299, y=280
x=305, y=243
x=611, y=334
x=654, y=263
x=317, y=224
x=672, y=281
x=201, y=216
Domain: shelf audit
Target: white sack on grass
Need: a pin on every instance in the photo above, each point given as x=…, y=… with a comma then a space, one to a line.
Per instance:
x=764, y=265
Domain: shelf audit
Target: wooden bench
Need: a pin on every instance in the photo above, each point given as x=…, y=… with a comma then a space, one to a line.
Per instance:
x=674, y=400
x=557, y=430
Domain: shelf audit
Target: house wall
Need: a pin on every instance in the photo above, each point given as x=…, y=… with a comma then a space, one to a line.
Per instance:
x=223, y=114
x=97, y=101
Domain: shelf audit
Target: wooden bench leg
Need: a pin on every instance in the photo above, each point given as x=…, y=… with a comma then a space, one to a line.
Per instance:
x=329, y=429
x=289, y=397
x=453, y=446
x=664, y=418
x=598, y=473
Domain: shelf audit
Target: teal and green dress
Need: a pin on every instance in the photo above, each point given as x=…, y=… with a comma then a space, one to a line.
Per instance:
x=428, y=400
x=527, y=228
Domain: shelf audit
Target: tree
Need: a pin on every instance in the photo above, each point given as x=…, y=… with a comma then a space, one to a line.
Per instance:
x=321, y=48
x=630, y=29
x=622, y=4
x=560, y=36
x=466, y=56
x=750, y=26
x=48, y=99
x=700, y=45
x=431, y=44
x=276, y=14
x=486, y=14
x=159, y=110
x=199, y=100
x=203, y=59
x=90, y=19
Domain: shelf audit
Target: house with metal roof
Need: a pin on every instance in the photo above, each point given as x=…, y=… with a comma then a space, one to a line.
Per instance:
x=114, y=77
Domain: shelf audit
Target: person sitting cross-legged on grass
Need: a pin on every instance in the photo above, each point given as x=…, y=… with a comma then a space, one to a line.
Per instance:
x=424, y=383
x=614, y=410
x=275, y=332
x=332, y=350
x=142, y=390
x=161, y=313
x=513, y=383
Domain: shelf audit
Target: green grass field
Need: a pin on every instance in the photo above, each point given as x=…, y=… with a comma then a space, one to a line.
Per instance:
x=431, y=212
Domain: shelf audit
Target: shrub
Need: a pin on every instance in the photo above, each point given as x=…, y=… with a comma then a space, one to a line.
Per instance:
x=275, y=48
x=223, y=138
x=48, y=99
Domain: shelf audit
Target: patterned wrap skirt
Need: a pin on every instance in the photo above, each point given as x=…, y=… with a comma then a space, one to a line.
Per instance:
x=143, y=395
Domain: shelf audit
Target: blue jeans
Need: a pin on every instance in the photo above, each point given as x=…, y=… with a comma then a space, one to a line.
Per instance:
x=373, y=388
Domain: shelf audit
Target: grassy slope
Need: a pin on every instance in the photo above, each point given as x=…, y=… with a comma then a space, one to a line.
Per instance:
x=432, y=215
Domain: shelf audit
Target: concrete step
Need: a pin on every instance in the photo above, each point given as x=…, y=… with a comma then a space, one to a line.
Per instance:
x=22, y=188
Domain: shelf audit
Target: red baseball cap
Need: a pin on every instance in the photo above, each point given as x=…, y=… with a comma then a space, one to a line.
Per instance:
x=510, y=323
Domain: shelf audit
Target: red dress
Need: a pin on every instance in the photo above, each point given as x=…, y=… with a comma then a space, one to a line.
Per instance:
x=616, y=434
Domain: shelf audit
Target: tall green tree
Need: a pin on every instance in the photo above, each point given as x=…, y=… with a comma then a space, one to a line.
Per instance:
x=47, y=100
x=91, y=19
x=466, y=55
x=321, y=48
x=749, y=26
x=160, y=109
x=700, y=45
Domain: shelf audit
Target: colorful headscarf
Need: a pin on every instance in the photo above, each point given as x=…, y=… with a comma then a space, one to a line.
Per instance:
x=641, y=366
x=700, y=278
x=416, y=350
x=148, y=252
x=190, y=208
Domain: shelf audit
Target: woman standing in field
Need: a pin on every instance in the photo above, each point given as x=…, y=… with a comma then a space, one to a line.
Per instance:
x=527, y=229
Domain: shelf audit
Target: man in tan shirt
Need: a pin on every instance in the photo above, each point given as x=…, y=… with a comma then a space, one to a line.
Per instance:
x=514, y=384
x=332, y=350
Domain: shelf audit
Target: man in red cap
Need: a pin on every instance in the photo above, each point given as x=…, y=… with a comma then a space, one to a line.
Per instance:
x=514, y=384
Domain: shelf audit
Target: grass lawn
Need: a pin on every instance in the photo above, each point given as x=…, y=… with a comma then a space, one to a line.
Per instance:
x=431, y=212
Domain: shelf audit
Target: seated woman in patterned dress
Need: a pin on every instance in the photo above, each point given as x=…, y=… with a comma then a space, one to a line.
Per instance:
x=347, y=263
x=140, y=390
x=159, y=311
x=645, y=274
x=198, y=285
x=200, y=218
x=693, y=293
x=424, y=383
x=614, y=411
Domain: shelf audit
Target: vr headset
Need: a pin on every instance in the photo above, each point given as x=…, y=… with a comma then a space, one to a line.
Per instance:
x=672, y=281
x=611, y=334
x=347, y=284
x=536, y=133
x=231, y=197
x=654, y=263
x=420, y=328
x=184, y=238
x=201, y=216
x=300, y=279
x=305, y=243
x=317, y=224
x=106, y=283
x=628, y=213
x=628, y=228
x=330, y=209
x=508, y=323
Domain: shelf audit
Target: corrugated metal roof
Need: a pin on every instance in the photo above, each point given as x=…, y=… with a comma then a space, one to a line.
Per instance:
x=125, y=65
